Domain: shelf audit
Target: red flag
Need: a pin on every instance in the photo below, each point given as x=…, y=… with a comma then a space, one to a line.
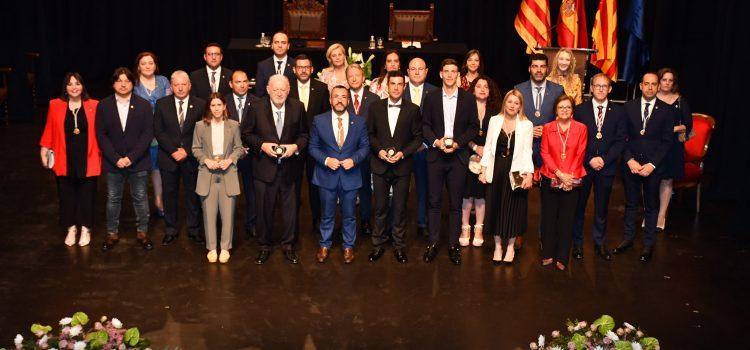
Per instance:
x=605, y=38
x=571, y=25
x=533, y=24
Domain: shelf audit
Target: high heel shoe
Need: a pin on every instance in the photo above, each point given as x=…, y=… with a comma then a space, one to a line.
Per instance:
x=497, y=255
x=463, y=240
x=478, y=237
x=546, y=262
x=560, y=266
x=510, y=254
x=70, y=239
x=85, y=236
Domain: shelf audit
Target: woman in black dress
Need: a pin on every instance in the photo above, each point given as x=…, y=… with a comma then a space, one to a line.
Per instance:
x=674, y=160
x=488, y=104
x=507, y=154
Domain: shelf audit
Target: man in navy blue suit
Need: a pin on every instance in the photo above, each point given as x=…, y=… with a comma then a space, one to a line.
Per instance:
x=279, y=63
x=605, y=122
x=339, y=144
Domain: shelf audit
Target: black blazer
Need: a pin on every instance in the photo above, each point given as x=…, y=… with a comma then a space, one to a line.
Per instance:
x=232, y=107
x=167, y=129
x=266, y=69
x=407, y=136
x=318, y=101
x=261, y=127
x=426, y=88
x=200, y=81
x=133, y=142
x=651, y=147
x=364, y=105
x=465, y=126
x=614, y=132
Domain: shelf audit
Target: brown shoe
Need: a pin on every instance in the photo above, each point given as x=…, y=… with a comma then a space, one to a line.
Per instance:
x=348, y=255
x=144, y=241
x=110, y=241
x=322, y=255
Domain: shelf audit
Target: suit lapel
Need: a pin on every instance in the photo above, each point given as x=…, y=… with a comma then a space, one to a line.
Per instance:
x=329, y=129
x=398, y=120
x=227, y=137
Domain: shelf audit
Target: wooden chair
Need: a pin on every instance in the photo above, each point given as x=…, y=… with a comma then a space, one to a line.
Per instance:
x=412, y=25
x=695, y=151
x=306, y=19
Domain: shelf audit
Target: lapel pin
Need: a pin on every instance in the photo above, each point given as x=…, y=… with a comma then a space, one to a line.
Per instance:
x=190, y=106
x=351, y=123
x=657, y=107
x=131, y=107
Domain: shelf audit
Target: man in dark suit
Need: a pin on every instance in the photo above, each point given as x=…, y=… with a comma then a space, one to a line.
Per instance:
x=213, y=77
x=276, y=132
x=124, y=130
x=339, y=144
x=605, y=122
x=395, y=131
x=449, y=119
x=239, y=103
x=174, y=120
x=279, y=63
x=650, y=133
x=360, y=100
x=314, y=96
x=418, y=87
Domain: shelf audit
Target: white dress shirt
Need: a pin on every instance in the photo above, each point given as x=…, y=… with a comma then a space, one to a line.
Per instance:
x=214, y=87
x=449, y=112
x=276, y=64
x=275, y=114
x=217, y=138
x=536, y=93
x=185, y=106
x=335, y=124
x=393, y=114
x=650, y=109
x=596, y=111
x=123, y=107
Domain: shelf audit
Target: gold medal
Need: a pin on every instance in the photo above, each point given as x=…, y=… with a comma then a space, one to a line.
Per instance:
x=537, y=114
x=598, y=135
x=562, y=156
x=481, y=132
x=218, y=158
x=643, y=131
x=76, y=131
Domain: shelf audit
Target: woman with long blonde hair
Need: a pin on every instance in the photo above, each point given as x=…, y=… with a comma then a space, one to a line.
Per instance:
x=563, y=73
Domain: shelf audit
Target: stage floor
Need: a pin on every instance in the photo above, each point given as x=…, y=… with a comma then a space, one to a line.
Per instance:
x=691, y=296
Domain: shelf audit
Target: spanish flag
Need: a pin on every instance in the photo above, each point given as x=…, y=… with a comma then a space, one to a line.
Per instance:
x=571, y=25
x=604, y=35
x=533, y=24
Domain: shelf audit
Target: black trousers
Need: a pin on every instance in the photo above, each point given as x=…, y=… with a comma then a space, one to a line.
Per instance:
x=312, y=190
x=448, y=171
x=266, y=194
x=244, y=165
x=639, y=189
x=390, y=208
x=187, y=172
x=557, y=221
x=76, y=196
x=602, y=185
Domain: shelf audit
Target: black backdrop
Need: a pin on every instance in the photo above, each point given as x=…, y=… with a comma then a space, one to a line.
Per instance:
x=701, y=40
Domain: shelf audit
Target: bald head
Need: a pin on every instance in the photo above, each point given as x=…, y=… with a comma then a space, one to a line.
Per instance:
x=417, y=71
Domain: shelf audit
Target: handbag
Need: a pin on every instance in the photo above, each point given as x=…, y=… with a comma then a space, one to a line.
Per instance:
x=474, y=165
x=515, y=179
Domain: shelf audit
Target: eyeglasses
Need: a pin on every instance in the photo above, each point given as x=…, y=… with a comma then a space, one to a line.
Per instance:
x=565, y=107
x=600, y=86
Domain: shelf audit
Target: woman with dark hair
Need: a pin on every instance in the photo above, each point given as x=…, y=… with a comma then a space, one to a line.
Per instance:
x=217, y=147
x=674, y=160
x=151, y=87
x=392, y=63
x=472, y=68
x=70, y=149
x=488, y=99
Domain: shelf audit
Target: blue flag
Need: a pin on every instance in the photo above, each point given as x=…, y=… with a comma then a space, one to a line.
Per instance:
x=636, y=54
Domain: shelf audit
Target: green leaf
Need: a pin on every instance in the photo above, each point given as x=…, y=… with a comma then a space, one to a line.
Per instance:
x=37, y=328
x=649, y=343
x=97, y=339
x=79, y=318
x=132, y=335
x=579, y=340
x=623, y=345
x=605, y=324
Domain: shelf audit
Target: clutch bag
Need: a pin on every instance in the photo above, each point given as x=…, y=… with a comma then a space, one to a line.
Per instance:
x=50, y=159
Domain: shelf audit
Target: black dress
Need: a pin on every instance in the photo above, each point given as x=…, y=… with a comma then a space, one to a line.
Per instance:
x=76, y=145
x=474, y=188
x=506, y=209
x=674, y=160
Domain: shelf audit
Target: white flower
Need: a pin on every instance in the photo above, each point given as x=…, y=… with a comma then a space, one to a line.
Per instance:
x=598, y=347
x=75, y=330
x=116, y=323
x=104, y=318
x=555, y=334
x=628, y=325
x=613, y=336
x=65, y=321
x=18, y=340
x=541, y=341
x=556, y=348
x=79, y=345
x=533, y=346
x=636, y=346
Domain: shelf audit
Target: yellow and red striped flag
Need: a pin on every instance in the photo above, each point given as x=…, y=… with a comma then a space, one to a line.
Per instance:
x=533, y=24
x=604, y=35
x=571, y=25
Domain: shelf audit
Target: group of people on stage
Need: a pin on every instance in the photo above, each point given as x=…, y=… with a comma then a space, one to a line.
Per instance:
x=360, y=146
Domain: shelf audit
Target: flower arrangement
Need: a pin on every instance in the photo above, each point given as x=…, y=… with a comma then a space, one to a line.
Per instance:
x=107, y=334
x=358, y=58
x=600, y=335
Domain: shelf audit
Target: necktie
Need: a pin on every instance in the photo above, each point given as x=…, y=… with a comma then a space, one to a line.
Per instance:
x=279, y=124
x=213, y=81
x=538, y=98
x=356, y=104
x=278, y=68
x=417, y=97
x=645, y=115
x=340, y=141
x=599, y=116
x=303, y=96
x=181, y=114
x=240, y=108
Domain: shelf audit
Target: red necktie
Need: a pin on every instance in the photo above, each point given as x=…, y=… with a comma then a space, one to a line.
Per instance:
x=356, y=104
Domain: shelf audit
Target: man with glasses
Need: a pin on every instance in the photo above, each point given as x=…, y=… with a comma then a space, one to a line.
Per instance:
x=278, y=63
x=212, y=78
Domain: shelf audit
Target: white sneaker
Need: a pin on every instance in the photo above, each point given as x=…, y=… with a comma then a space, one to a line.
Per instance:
x=70, y=239
x=224, y=256
x=85, y=237
x=211, y=256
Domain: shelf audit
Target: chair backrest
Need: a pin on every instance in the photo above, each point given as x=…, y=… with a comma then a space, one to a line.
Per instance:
x=697, y=146
x=411, y=25
x=306, y=19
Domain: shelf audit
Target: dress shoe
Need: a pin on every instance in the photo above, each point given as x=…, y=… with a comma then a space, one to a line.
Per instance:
x=578, y=253
x=85, y=236
x=497, y=255
x=110, y=241
x=659, y=229
x=422, y=231
x=365, y=228
x=647, y=254
x=262, y=256
x=211, y=256
x=70, y=239
x=463, y=240
x=348, y=255
x=454, y=254
x=198, y=239
x=430, y=252
x=623, y=247
x=400, y=256
x=291, y=256
x=560, y=266
x=322, y=255
x=375, y=254
x=144, y=241
x=518, y=244
x=224, y=256
x=602, y=252
x=510, y=255
x=168, y=239
x=250, y=233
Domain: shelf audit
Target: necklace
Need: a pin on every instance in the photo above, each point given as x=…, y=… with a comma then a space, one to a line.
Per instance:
x=564, y=142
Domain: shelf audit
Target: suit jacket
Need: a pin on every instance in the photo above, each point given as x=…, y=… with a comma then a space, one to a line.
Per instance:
x=167, y=129
x=426, y=88
x=614, y=132
x=465, y=125
x=364, y=105
x=201, y=82
x=522, y=141
x=407, y=136
x=318, y=100
x=261, y=127
x=134, y=142
x=323, y=145
x=232, y=108
x=651, y=147
x=203, y=148
x=551, y=93
x=266, y=69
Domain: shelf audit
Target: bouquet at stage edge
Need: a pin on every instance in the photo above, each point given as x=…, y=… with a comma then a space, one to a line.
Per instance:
x=600, y=335
x=106, y=335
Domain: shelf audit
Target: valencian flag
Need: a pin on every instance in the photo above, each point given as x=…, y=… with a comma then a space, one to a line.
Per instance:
x=604, y=36
x=533, y=24
x=571, y=25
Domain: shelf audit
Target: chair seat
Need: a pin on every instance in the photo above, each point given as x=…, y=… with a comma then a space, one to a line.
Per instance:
x=693, y=176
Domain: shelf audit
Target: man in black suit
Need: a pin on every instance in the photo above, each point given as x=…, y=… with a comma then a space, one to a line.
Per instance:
x=449, y=119
x=279, y=63
x=360, y=100
x=605, y=122
x=174, y=120
x=394, y=126
x=239, y=103
x=650, y=133
x=276, y=132
x=124, y=130
x=315, y=97
x=418, y=87
x=213, y=77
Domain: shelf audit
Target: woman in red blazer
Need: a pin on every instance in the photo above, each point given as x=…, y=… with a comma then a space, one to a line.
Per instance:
x=70, y=149
x=563, y=150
